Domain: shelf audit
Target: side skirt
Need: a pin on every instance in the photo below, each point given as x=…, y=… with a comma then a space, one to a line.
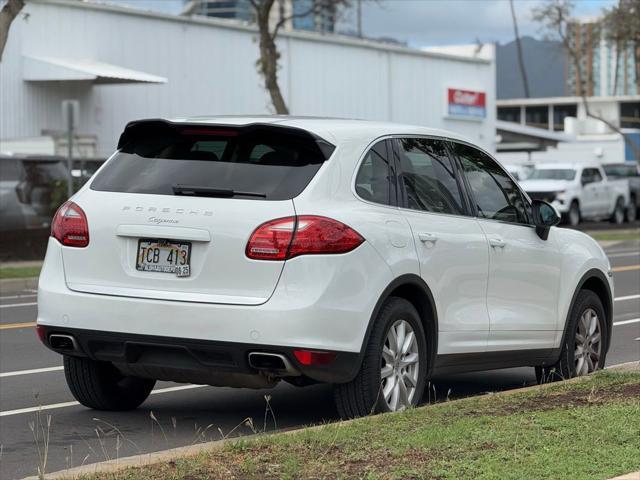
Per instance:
x=473, y=362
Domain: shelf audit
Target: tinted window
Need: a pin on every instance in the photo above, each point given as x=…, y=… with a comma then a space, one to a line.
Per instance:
x=591, y=175
x=428, y=177
x=43, y=185
x=374, y=178
x=496, y=196
x=621, y=170
x=276, y=162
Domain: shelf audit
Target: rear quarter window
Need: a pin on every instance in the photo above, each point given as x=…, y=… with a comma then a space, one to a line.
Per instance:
x=276, y=162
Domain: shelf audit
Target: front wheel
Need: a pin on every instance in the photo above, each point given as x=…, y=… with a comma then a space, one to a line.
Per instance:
x=393, y=371
x=584, y=350
x=101, y=386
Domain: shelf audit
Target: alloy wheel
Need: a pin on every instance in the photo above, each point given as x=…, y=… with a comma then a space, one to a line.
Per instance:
x=400, y=366
x=588, y=345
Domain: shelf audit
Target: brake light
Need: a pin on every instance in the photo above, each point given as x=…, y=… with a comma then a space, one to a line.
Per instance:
x=70, y=226
x=209, y=131
x=290, y=237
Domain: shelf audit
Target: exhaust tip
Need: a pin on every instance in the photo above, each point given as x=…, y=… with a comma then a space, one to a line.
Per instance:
x=274, y=363
x=63, y=342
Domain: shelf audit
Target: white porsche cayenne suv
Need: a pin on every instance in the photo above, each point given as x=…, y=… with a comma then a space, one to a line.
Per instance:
x=244, y=251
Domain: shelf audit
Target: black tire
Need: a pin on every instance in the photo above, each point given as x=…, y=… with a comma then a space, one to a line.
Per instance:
x=101, y=386
x=617, y=216
x=632, y=210
x=565, y=367
x=363, y=395
x=574, y=216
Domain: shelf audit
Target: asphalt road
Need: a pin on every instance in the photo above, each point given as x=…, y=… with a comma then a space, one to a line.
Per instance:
x=36, y=405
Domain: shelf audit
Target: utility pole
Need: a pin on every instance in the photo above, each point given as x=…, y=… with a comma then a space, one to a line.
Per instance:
x=359, y=17
x=70, y=122
x=523, y=71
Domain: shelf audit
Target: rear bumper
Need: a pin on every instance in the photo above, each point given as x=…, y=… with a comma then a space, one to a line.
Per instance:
x=320, y=303
x=193, y=361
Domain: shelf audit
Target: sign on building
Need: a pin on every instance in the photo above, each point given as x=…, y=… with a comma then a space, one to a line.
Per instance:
x=468, y=104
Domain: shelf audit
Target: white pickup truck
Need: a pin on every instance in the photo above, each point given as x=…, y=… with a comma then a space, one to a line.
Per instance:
x=579, y=191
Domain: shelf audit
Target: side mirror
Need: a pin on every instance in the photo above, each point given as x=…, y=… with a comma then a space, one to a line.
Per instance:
x=545, y=216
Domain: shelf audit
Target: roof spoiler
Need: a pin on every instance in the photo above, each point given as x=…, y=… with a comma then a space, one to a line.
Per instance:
x=140, y=128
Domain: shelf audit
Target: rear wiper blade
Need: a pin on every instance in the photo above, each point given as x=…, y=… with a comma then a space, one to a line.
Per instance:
x=197, y=191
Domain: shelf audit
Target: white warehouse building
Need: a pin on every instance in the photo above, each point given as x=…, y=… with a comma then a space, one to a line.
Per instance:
x=122, y=64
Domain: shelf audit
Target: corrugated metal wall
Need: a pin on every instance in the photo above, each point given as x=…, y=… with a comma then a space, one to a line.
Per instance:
x=211, y=70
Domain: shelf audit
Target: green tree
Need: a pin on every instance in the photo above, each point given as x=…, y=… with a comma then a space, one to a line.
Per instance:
x=622, y=28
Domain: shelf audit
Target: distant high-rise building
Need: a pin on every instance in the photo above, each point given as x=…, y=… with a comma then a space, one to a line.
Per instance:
x=311, y=15
x=605, y=70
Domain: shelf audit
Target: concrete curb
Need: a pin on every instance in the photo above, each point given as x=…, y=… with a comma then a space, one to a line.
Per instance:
x=14, y=285
x=192, y=450
x=628, y=476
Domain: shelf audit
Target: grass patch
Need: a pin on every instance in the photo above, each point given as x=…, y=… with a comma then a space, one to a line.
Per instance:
x=612, y=235
x=19, y=272
x=587, y=430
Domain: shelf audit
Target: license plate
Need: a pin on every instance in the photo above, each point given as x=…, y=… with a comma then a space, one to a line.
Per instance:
x=164, y=256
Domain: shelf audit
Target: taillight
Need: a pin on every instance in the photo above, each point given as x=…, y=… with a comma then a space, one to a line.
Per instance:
x=70, y=226
x=290, y=237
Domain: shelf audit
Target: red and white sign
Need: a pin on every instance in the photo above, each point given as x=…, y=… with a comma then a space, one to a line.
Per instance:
x=466, y=103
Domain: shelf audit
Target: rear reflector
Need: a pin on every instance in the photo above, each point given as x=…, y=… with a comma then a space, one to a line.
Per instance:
x=70, y=227
x=291, y=237
x=41, y=333
x=314, y=357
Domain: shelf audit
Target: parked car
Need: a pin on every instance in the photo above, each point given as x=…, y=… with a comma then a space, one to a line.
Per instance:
x=579, y=192
x=31, y=189
x=631, y=172
x=519, y=172
x=244, y=251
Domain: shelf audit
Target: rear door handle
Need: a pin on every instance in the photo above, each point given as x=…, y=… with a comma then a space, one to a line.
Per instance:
x=427, y=237
x=497, y=243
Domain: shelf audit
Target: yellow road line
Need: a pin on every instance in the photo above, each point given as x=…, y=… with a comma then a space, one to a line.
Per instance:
x=7, y=326
x=626, y=268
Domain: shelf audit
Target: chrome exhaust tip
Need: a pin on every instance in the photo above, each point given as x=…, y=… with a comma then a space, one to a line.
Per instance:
x=65, y=343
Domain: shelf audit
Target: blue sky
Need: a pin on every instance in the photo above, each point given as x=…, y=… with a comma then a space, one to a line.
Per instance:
x=429, y=22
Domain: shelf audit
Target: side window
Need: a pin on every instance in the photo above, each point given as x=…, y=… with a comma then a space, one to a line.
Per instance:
x=375, y=181
x=590, y=175
x=596, y=175
x=428, y=177
x=497, y=197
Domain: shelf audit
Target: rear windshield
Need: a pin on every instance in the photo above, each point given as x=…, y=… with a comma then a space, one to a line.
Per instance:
x=621, y=170
x=273, y=163
x=553, y=174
